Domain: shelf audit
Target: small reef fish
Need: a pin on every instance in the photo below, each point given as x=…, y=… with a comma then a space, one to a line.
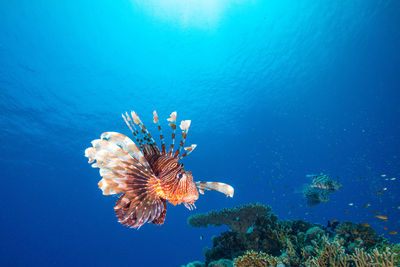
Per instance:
x=393, y=233
x=381, y=217
x=365, y=224
x=379, y=192
x=383, y=175
x=385, y=228
x=392, y=179
x=367, y=205
x=145, y=175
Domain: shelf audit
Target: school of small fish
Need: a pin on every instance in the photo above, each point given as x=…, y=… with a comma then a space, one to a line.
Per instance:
x=377, y=214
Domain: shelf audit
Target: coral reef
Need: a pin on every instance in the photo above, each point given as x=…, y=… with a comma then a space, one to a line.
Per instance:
x=357, y=235
x=257, y=238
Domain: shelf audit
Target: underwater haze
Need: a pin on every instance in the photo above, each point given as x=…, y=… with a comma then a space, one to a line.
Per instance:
x=275, y=91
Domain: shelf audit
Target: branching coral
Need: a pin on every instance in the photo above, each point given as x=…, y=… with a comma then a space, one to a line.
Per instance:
x=332, y=253
x=329, y=253
x=238, y=219
x=382, y=259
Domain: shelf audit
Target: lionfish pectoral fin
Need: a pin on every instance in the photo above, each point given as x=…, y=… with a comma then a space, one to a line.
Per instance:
x=123, y=173
x=136, y=208
x=215, y=186
x=190, y=206
x=160, y=220
x=127, y=145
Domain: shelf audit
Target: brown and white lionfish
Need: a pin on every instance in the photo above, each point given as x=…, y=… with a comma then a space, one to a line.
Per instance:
x=144, y=176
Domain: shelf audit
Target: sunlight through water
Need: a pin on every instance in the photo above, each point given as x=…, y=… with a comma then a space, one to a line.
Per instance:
x=187, y=13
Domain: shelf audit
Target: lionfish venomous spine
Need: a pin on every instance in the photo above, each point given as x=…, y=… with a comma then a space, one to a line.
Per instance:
x=145, y=176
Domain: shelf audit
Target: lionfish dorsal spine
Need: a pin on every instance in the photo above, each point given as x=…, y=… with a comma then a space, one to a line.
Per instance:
x=156, y=121
x=132, y=127
x=149, y=144
x=172, y=124
x=143, y=137
x=188, y=150
x=185, y=125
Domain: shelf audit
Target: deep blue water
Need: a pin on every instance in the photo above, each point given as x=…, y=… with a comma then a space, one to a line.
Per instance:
x=275, y=90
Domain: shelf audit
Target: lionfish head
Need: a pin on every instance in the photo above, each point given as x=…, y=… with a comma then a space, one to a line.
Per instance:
x=187, y=187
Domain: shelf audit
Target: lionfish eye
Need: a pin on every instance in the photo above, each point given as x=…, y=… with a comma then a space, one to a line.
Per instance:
x=180, y=176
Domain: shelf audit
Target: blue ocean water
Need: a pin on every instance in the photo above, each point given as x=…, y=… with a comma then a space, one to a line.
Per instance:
x=275, y=90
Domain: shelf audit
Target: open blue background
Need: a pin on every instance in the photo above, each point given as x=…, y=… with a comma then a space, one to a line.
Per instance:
x=275, y=90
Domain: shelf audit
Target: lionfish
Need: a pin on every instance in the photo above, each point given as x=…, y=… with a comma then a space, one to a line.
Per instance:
x=320, y=189
x=144, y=176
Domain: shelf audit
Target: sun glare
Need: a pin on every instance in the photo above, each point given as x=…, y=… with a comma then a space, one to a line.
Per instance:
x=185, y=13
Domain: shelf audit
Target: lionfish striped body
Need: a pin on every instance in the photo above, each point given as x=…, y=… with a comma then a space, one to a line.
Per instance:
x=145, y=175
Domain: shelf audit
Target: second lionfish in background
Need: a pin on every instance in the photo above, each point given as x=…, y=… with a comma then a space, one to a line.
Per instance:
x=320, y=189
x=145, y=175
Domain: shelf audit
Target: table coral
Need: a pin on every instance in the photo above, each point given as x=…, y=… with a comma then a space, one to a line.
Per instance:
x=238, y=219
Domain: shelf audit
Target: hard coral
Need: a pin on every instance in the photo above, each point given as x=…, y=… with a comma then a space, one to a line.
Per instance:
x=238, y=219
x=221, y=263
x=357, y=235
x=252, y=258
x=194, y=264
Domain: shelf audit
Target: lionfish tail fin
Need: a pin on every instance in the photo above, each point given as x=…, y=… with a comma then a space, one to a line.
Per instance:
x=215, y=186
x=124, y=170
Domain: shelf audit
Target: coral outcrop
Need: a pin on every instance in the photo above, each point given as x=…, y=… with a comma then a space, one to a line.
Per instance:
x=358, y=235
x=257, y=238
x=238, y=219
